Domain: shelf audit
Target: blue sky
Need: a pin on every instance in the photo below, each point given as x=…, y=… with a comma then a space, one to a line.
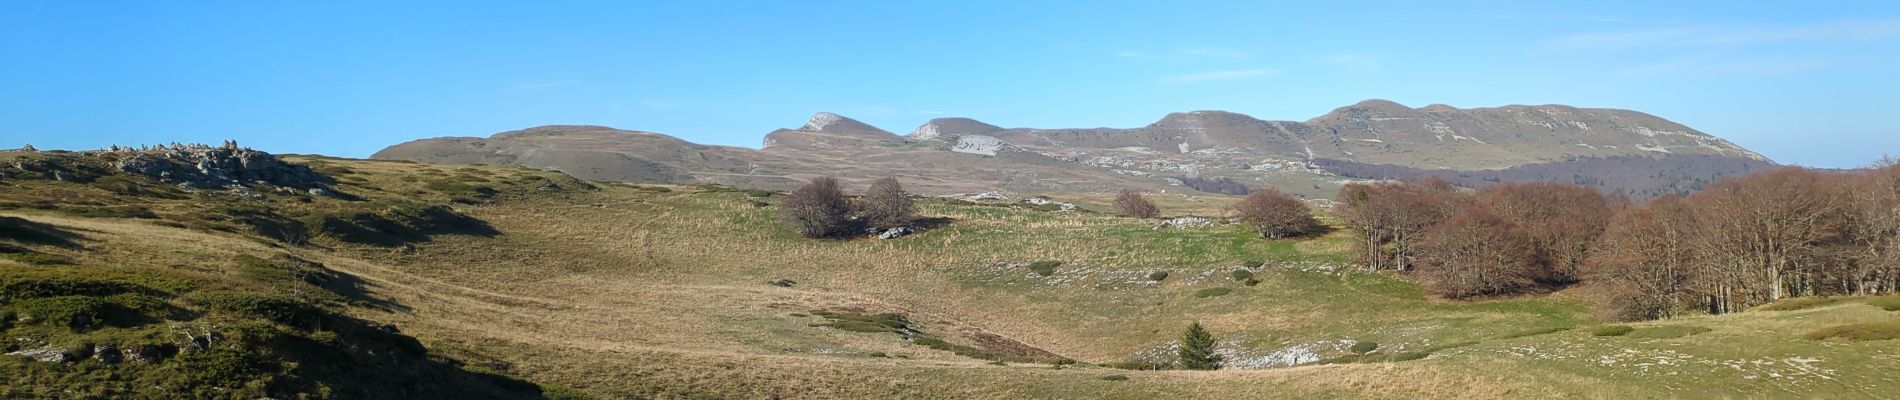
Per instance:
x=1807, y=84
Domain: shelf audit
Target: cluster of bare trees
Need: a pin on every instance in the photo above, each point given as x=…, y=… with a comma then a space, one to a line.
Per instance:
x=1741, y=242
x=1754, y=239
x=819, y=209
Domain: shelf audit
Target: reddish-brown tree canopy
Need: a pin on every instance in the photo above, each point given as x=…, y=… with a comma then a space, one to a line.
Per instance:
x=1275, y=214
x=1131, y=203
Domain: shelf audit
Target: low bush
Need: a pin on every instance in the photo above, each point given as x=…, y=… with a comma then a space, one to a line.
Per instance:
x=1241, y=275
x=1115, y=378
x=1364, y=346
x=1158, y=276
x=1612, y=330
x=1858, y=332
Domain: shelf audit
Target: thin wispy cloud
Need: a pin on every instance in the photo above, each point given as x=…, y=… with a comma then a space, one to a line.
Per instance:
x=1187, y=53
x=1215, y=52
x=1836, y=31
x=1559, y=17
x=1354, y=62
x=1706, y=67
x=1219, y=75
x=543, y=85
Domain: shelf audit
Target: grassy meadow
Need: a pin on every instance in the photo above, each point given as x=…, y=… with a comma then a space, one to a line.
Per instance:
x=609, y=290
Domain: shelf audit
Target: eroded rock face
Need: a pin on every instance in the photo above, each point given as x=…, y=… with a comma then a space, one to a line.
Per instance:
x=199, y=166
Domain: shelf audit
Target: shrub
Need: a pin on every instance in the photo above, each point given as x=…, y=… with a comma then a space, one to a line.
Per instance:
x=1276, y=215
x=1858, y=332
x=1364, y=346
x=1254, y=264
x=1044, y=268
x=886, y=205
x=1115, y=378
x=1158, y=276
x=1241, y=275
x=1132, y=204
x=1612, y=330
x=1251, y=282
x=818, y=209
x=1212, y=292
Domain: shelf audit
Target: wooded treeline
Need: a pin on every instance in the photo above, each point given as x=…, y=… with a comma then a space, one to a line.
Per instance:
x=1740, y=242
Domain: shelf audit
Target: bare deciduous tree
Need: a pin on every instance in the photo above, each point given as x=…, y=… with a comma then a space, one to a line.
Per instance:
x=885, y=205
x=817, y=209
x=1475, y=254
x=1276, y=214
x=1130, y=203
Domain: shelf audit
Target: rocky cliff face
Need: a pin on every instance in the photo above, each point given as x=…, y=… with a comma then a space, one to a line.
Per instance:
x=961, y=154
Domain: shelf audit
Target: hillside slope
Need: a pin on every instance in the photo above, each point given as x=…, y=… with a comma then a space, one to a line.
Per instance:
x=947, y=155
x=624, y=291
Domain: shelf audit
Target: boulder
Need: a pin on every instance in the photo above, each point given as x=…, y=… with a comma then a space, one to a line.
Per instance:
x=107, y=353
x=45, y=354
x=894, y=233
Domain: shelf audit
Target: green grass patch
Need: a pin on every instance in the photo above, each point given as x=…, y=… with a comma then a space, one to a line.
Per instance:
x=1044, y=268
x=1212, y=292
x=1394, y=356
x=1364, y=346
x=1889, y=303
x=1800, y=303
x=1668, y=332
x=1532, y=332
x=869, y=323
x=108, y=212
x=1241, y=275
x=1611, y=330
x=1858, y=332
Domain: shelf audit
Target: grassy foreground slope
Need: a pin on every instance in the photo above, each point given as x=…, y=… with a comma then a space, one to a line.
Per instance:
x=617, y=291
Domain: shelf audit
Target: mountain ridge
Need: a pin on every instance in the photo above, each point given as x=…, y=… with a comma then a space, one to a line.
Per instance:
x=972, y=155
